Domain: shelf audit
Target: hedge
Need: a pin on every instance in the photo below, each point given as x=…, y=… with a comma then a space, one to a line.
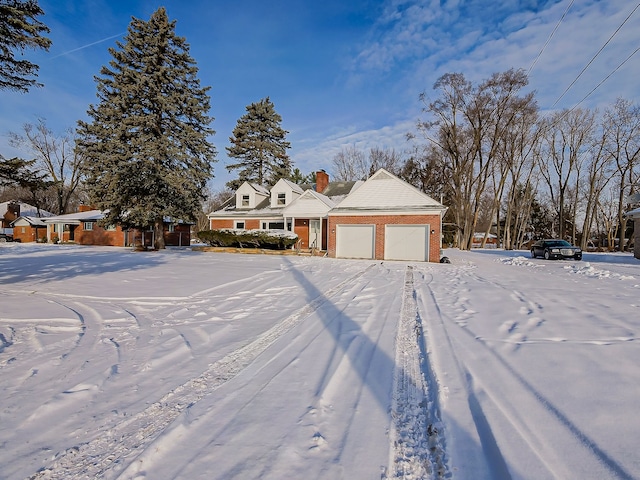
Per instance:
x=267, y=239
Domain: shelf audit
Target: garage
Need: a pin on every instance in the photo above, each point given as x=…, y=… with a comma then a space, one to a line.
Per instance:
x=406, y=242
x=355, y=241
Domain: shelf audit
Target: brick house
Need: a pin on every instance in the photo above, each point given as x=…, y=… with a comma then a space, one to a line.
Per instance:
x=381, y=218
x=302, y=209
x=83, y=228
x=386, y=219
x=23, y=220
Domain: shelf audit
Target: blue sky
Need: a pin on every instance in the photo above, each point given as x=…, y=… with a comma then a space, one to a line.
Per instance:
x=339, y=73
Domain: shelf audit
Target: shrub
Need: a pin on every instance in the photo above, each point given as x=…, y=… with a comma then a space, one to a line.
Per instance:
x=267, y=239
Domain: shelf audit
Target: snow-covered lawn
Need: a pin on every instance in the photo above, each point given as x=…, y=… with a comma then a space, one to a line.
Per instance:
x=183, y=364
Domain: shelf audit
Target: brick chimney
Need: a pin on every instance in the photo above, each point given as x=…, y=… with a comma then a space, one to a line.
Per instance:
x=85, y=208
x=322, y=180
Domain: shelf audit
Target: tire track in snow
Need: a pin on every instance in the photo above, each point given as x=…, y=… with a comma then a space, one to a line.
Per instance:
x=109, y=454
x=540, y=425
x=417, y=442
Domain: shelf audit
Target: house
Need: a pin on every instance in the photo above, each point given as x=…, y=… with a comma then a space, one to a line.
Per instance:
x=82, y=227
x=287, y=206
x=386, y=219
x=381, y=218
x=24, y=221
x=635, y=216
x=27, y=228
x=478, y=238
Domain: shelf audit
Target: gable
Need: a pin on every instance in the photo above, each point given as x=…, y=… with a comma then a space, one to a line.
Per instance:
x=250, y=195
x=309, y=204
x=284, y=192
x=384, y=191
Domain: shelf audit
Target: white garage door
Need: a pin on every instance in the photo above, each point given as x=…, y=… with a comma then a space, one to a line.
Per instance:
x=406, y=242
x=355, y=241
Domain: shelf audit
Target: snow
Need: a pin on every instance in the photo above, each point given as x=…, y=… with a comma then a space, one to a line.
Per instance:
x=186, y=364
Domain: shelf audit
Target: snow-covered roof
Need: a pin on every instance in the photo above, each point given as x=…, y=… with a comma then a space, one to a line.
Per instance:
x=385, y=191
x=309, y=204
x=87, y=216
x=25, y=209
x=31, y=220
x=635, y=213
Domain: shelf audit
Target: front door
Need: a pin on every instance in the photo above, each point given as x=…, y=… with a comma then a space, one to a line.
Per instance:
x=315, y=241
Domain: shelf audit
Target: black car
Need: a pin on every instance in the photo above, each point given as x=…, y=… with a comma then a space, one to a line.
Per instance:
x=552, y=249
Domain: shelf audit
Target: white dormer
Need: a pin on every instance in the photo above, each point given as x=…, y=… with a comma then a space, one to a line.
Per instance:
x=284, y=192
x=249, y=195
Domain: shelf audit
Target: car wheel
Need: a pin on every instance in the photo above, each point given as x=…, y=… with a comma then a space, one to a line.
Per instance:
x=3, y=240
x=533, y=253
x=547, y=256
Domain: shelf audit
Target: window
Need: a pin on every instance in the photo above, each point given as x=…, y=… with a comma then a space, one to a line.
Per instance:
x=264, y=225
x=172, y=227
x=245, y=200
x=282, y=199
x=276, y=225
x=88, y=226
x=239, y=225
x=110, y=228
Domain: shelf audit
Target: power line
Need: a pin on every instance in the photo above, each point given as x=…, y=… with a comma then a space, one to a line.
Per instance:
x=550, y=37
x=594, y=57
x=606, y=78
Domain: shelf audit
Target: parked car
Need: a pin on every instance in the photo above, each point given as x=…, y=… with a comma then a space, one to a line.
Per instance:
x=552, y=249
x=6, y=236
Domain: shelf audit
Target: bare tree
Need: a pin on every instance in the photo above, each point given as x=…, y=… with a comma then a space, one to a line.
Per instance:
x=350, y=164
x=386, y=158
x=597, y=175
x=622, y=132
x=469, y=124
x=567, y=136
x=56, y=156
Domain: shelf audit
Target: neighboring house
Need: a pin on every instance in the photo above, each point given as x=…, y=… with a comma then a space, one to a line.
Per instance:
x=492, y=240
x=382, y=218
x=83, y=228
x=29, y=229
x=635, y=216
x=23, y=221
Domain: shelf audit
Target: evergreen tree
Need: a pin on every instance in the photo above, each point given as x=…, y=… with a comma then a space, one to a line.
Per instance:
x=259, y=143
x=19, y=30
x=147, y=154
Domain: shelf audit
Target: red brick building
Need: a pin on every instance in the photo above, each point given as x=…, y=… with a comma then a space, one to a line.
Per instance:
x=382, y=218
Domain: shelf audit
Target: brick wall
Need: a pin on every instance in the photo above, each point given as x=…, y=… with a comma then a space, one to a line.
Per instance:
x=249, y=223
x=380, y=221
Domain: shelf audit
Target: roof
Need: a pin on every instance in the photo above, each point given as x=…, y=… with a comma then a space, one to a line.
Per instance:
x=25, y=209
x=635, y=214
x=309, y=204
x=384, y=191
x=340, y=189
x=33, y=221
x=76, y=217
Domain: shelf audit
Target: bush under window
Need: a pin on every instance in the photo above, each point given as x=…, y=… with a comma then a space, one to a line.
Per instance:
x=267, y=239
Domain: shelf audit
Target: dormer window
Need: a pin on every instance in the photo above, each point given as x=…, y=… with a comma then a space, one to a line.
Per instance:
x=245, y=200
x=282, y=199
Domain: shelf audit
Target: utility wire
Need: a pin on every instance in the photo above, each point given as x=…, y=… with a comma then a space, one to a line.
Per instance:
x=606, y=78
x=594, y=57
x=550, y=37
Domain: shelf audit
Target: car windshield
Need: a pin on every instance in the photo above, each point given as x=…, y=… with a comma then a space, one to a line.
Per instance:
x=558, y=243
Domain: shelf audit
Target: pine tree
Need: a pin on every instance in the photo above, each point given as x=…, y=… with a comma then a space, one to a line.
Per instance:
x=147, y=149
x=19, y=30
x=259, y=143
